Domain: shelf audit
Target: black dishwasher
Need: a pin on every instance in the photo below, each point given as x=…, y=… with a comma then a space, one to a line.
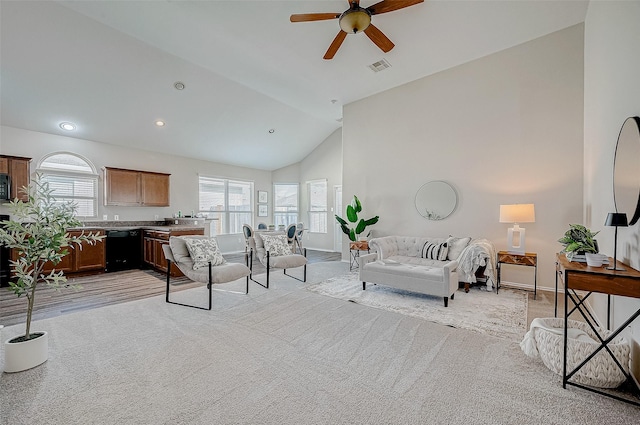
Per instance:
x=124, y=248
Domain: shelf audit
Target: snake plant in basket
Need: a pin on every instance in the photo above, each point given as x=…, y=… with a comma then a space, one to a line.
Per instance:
x=578, y=240
x=37, y=233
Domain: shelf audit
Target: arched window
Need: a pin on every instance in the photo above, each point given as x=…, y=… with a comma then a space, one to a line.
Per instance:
x=72, y=178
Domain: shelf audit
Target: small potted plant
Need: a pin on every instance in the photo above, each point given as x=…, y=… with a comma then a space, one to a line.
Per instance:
x=578, y=240
x=38, y=234
x=352, y=216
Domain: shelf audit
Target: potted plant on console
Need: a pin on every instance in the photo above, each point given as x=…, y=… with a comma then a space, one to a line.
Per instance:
x=352, y=216
x=578, y=240
x=37, y=233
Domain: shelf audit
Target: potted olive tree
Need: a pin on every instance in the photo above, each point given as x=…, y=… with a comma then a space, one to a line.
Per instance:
x=37, y=233
x=353, y=210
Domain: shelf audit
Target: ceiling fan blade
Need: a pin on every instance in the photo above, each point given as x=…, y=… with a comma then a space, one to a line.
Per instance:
x=306, y=17
x=379, y=38
x=335, y=45
x=391, y=5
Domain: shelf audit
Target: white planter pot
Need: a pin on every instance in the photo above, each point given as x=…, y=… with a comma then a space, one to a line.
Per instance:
x=594, y=260
x=19, y=356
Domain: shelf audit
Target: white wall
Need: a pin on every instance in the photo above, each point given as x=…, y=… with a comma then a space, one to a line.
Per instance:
x=184, y=172
x=503, y=129
x=612, y=93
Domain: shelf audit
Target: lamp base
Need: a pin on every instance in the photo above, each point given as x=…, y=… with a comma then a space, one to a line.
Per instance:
x=515, y=240
x=619, y=269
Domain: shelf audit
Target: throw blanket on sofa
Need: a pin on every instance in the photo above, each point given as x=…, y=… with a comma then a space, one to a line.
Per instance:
x=479, y=252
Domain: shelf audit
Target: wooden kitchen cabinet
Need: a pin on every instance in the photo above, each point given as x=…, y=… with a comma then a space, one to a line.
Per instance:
x=90, y=258
x=121, y=187
x=18, y=170
x=155, y=189
x=132, y=188
x=153, y=254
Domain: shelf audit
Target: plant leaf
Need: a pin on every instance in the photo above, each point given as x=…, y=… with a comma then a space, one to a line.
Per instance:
x=356, y=204
x=352, y=215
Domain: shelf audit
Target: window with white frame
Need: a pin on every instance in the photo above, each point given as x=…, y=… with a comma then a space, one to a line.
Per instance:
x=285, y=204
x=72, y=178
x=317, y=190
x=226, y=202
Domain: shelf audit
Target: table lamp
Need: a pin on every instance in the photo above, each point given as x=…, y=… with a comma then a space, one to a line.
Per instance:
x=616, y=220
x=516, y=213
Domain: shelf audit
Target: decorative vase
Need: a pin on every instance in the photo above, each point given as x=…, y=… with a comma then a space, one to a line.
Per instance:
x=593, y=260
x=19, y=356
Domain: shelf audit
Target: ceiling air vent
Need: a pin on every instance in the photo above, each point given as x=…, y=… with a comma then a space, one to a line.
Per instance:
x=381, y=65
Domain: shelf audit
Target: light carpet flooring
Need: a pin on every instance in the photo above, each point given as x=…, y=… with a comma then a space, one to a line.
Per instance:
x=479, y=310
x=284, y=355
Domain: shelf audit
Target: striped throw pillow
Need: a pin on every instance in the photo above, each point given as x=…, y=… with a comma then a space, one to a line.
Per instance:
x=435, y=251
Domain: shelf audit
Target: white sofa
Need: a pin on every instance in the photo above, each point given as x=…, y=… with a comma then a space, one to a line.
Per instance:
x=398, y=262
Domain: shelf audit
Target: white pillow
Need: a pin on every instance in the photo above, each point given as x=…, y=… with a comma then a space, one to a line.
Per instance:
x=203, y=251
x=435, y=251
x=456, y=246
x=277, y=245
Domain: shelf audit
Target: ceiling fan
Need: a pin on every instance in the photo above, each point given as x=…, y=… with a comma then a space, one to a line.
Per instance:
x=357, y=19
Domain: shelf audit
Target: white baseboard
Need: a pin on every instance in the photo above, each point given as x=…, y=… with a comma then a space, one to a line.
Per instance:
x=319, y=249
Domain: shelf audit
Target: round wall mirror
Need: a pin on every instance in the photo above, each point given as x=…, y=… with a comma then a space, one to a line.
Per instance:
x=436, y=200
x=626, y=171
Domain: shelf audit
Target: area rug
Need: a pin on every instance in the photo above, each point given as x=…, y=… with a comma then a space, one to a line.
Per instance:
x=503, y=315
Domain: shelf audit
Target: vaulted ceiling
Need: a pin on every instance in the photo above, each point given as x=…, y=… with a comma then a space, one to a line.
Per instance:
x=257, y=92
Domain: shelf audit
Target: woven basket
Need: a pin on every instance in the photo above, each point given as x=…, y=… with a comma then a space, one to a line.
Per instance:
x=601, y=371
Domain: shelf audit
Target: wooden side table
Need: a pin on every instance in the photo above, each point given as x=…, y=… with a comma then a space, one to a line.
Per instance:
x=529, y=259
x=354, y=251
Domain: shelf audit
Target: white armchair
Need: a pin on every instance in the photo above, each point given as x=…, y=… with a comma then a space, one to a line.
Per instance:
x=273, y=251
x=177, y=252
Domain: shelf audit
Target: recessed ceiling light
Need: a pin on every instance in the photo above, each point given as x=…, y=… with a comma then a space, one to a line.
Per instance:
x=160, y=123
x=178, y=85
x=67, y=126
x=272, y=130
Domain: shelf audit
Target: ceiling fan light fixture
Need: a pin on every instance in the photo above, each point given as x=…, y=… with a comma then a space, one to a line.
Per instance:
x=354, y=21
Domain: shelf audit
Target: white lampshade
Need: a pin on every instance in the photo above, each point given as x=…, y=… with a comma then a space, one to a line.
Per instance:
x=517, y=213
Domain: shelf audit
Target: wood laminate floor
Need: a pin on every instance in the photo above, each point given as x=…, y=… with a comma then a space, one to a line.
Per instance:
x=111, y=288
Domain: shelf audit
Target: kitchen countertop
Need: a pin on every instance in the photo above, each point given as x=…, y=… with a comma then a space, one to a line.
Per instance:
x=144, y=225
x=126, y=228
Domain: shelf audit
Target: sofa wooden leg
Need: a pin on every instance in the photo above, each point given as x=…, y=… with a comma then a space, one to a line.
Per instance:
x=466, y=287
x=364, y=285
x=453, y=295
x=446, y=301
